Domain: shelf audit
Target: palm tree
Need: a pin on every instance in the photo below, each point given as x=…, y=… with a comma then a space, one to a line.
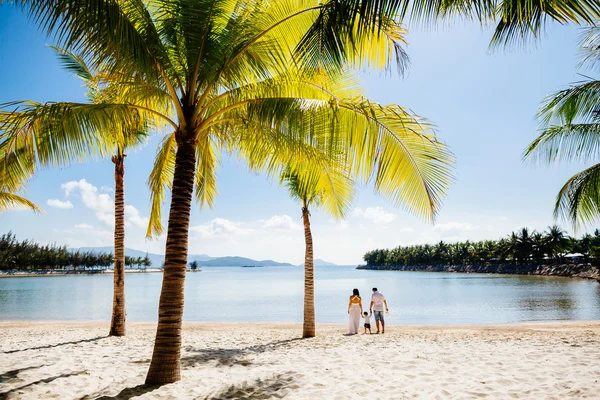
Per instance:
x=524, y=245
x=97, y=80
x=557, y=240
x=570, y=125
x=229, y=71
x=540, y=246
x=331, y=189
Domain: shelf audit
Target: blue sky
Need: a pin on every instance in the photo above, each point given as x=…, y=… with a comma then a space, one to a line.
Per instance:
x=483, y=103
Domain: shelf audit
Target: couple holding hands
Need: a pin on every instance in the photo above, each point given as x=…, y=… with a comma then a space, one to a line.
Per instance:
x=355, y=310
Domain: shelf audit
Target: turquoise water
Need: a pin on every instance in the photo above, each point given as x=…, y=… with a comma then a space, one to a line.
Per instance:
x=276, y=294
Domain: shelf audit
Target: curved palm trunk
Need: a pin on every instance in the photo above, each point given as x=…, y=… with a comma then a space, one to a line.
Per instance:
x=165, y=366
x=309, y=279
x=117, y=323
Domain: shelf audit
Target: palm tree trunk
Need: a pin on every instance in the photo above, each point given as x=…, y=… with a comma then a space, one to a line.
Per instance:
x=117, y=323
x=309, y=279
x=165, y=365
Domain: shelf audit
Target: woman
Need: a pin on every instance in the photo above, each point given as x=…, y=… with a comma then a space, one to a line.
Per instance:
x=355, y=310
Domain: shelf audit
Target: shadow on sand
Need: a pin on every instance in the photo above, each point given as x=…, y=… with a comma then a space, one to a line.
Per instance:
x=57, y=345
x=229, y=357
x=275, y=387
x=5, y=395
x=15, y=372
x=126, y=393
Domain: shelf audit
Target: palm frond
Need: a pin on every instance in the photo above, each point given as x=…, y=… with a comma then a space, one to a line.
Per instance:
x=12, y=201
x=569, y=142
x=589, y=47
x=160, y=181
x=63, y=133
x=522, y=19
x=579, y=199
x=206, y=179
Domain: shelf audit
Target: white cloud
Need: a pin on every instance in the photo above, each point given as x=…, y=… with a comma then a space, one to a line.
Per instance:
x=453, y=227
x=220, y=227
x=377, y=215
x=59, y=204
x=107, y=189
x=281, y=223
x=85, y=235
x=89, y=195
x=133, y=217
x=103, y=204
x=85, y=227
x=106, y=218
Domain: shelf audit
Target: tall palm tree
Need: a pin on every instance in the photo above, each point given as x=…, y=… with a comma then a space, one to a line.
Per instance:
x=230, y=72
x=570, y=125
x=97, y=80
x=557, y=240
x=540, y=246
x=334, y=195
x=524, y=244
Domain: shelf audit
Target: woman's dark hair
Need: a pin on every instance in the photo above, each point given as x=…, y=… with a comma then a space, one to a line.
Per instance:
x=355, y=292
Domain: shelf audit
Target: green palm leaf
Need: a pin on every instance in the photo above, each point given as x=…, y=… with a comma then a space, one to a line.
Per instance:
x=579, y=199
x=11, y=201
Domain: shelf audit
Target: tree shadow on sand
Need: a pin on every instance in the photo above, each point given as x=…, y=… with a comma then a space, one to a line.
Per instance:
x=276, y=387
x=126, y=393
x=5, y=395
x=229, y=357
x=8, y=375
x=57, y=345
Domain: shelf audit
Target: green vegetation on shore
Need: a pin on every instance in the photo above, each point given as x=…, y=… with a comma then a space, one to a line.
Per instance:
x=28, y=255
x=522, y=247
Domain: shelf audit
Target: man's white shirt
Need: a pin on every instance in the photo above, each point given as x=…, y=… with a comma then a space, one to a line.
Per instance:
x=377, y=299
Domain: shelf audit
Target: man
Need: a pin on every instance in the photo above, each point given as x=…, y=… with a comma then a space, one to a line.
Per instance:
x=377, y=303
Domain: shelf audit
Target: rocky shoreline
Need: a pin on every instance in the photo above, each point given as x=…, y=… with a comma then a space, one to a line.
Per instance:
x=586, y=271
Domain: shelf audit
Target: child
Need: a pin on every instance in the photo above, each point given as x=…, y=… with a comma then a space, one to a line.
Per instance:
x=367, y=318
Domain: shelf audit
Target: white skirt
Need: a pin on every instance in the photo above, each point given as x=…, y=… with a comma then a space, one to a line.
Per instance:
x=354, y=318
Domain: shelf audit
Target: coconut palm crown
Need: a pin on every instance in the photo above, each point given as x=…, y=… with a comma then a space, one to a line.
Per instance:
x=570, y=132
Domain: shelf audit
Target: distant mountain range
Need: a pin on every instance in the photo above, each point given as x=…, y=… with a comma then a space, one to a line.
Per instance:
x=241, y=262
x=320, y=263
x=203, y=259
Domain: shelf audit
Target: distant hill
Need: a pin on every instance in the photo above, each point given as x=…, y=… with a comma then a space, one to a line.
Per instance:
x=320, y=263
x=240, y=262
x=203, y=259
x=157, y=259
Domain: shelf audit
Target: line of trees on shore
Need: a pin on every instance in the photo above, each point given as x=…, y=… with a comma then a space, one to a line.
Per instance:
x=522, y=247
x=28, y=255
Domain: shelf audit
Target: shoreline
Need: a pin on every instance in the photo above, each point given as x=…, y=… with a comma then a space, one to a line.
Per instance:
x=218, y=326
x=580, y=271
x=39, y=273
x=77, y=360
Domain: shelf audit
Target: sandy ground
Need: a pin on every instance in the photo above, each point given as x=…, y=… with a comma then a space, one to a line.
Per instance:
x=66, y=360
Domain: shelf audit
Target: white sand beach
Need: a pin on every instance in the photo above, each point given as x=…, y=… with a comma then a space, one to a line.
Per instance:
x=67, y=360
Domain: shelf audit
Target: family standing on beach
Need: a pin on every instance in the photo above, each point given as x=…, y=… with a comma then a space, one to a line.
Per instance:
x=376, y=308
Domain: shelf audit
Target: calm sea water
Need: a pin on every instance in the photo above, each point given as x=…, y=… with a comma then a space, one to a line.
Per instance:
x=276, y=294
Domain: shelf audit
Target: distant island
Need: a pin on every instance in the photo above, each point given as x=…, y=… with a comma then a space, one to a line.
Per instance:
x=28, y=256
x=526, y=252
x=204, y=260
x=320, y=263
x=241, y=262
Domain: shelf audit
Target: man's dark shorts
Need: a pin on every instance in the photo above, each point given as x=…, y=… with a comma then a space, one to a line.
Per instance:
x=378, y=316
